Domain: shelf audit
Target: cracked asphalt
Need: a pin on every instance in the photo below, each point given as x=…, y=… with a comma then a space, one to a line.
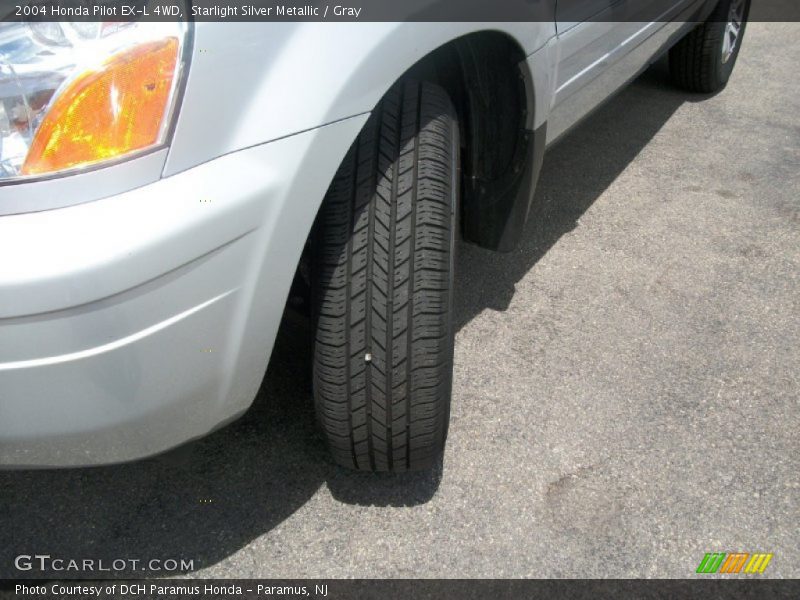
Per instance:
x=626, y=392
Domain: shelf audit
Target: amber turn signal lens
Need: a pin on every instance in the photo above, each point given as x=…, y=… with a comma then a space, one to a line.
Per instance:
x=107, y=112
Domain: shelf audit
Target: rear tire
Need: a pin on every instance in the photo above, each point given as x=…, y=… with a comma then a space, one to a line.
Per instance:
x=703, y=60
x=383, y=286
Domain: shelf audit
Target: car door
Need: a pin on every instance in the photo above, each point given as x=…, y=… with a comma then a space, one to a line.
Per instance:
x=594, y=36
x=583, y=28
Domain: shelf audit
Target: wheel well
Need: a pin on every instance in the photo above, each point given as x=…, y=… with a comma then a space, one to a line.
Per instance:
x=488, y=81
x=490, y=86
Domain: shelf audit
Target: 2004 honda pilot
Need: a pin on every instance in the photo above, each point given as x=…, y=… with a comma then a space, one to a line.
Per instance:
x=161, y=183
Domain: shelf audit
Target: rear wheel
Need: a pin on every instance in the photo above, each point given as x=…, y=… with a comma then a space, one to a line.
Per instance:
x=703, y=61
x=383, y=286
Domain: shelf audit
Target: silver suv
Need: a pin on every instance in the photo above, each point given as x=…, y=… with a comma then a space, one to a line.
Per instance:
x=164, y=185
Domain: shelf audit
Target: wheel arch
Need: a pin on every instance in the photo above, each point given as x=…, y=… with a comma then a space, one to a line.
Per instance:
x=490, y=82
x=502, y=116
x=499, y=100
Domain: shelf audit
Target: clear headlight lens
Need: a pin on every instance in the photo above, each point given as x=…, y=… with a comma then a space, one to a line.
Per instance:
x=77, y=94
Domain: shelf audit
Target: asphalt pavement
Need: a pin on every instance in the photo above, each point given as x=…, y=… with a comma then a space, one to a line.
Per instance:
x=626, y=393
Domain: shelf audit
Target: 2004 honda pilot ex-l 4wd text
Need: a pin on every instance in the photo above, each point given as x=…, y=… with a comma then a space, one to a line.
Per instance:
x=164, y=184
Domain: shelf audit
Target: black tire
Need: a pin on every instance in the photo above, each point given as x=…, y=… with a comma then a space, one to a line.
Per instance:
x=696, y=63
x=383, y=286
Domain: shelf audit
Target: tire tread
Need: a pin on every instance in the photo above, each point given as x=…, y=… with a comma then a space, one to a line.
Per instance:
x=383, y=266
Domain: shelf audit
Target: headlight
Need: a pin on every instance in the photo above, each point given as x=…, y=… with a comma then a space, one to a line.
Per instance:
x=77, y=94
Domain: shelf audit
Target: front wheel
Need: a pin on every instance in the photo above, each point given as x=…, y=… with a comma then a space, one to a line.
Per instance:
x=703, y=60
x=383, y=286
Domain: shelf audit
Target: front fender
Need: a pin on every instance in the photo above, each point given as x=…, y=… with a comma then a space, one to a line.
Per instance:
x=250, y=83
